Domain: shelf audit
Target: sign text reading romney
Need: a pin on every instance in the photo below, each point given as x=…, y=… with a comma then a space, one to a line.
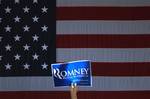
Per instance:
x=80, y=72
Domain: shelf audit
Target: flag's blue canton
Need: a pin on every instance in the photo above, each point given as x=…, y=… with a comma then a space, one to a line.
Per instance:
x=27, y=37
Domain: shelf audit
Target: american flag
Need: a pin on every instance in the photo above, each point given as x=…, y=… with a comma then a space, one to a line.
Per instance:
x=113, y=34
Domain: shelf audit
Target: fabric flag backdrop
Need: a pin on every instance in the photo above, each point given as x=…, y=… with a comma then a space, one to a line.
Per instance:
x=113, y=34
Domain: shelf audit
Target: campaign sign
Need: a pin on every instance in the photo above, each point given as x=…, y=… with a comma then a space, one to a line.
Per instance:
x=77, y=72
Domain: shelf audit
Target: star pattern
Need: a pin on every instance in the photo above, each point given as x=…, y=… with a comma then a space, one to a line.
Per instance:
x=26, y=47
x=0, y=20
x=35, y=56
x=35, y=37
x=44, y=47
x=7, y=10
x=35, y=1
x=17, y=38
x=17, y=19
x=44, y=66
x=26, y=40
x=26, y=9
x=26, y=66
x=8, y=66
x=44, y=9
x=8, y=28
x=44, y=28
x=1, y=58
x=8, y=47
x=17, y=1
x=26, y=28
x=1, y=38
x=35, y=19
x=17, y=57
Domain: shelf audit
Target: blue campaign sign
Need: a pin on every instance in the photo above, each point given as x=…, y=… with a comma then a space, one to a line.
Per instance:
x=78, y=72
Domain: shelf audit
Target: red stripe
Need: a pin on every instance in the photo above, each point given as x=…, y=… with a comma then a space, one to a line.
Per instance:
x=81, y=95
x=121, y=69
x=103, y=13
x=103, y=41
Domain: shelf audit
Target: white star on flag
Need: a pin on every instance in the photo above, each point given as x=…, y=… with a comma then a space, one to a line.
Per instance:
x=7, y=10
x=35, y=37
x=26, y=66
x=35, y=1
x=8, y=28
x=0, y=20
x=26, y=47
x=44, y=9
x=1, y=58
x=17, y=57
x=44, y=66
x=44, y=28
x=17, y=38
x=35, y=56
x=26, y=9
x=26, y=28
x=8, y=47
x=17, y=1
x=1, y=38
x=17, y=19
x=44, y=47
x=35, y=19
x=8, y=66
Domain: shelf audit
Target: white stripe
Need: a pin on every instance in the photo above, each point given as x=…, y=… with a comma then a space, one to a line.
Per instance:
x=104, y=54
x=103, y=27
x=99, y=84
x=103, y=3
